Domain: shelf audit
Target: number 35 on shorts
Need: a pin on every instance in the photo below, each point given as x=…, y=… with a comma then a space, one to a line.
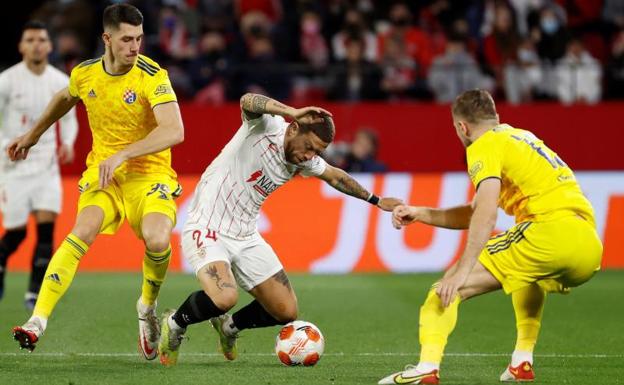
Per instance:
x=163, y=191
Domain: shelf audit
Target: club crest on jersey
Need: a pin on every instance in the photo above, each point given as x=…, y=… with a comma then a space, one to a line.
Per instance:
x=129, y=96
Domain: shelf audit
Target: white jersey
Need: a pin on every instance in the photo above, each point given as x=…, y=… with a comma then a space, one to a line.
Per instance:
x=248, y=169
x=24, y=97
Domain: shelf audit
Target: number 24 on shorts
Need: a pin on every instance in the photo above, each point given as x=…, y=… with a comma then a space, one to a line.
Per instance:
x=197, y=236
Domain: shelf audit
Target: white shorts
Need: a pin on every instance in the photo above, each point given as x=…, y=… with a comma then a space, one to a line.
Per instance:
x=252, y=260
x=19, y=196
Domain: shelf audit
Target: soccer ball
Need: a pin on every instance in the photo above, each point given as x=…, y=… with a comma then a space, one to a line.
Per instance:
x=299, y=343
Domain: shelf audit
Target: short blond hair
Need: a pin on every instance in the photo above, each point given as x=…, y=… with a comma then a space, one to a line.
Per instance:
x=475, y=106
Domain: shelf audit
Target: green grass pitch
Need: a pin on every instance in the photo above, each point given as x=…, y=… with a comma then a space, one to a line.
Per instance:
x=369, y=322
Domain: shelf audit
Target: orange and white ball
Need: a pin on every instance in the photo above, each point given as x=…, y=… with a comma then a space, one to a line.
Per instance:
x=299, y=343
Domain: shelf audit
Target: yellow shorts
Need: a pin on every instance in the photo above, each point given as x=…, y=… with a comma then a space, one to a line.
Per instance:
x=557, y=254
x=130, y=196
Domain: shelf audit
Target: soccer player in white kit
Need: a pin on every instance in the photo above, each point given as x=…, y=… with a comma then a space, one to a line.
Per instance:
x=33, y=185
x=220, y=238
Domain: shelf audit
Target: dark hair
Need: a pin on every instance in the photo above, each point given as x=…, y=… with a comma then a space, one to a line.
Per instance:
x=474, y=106
x=34, y=24
x=116, y=14
x=372, y=136
x=325, y=130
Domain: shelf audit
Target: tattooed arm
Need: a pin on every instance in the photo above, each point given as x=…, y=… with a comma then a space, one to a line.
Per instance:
x=254, y=105
x=345, y=183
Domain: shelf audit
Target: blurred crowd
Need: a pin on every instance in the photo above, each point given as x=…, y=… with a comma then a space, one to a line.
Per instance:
x=353, y=50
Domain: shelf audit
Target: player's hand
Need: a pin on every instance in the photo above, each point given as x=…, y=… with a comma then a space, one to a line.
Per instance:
x=404, y=215
x=108, y=167
x=449, y=286
x=310, y=115
x=18, y=148
x=66, y=154
x=388, y=204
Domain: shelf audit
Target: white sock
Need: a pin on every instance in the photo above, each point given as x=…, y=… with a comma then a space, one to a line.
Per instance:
x=426, y=367
x=520, y=356
x=228, y=325
x=174, y=325
x=41, y=320
x=143, y=308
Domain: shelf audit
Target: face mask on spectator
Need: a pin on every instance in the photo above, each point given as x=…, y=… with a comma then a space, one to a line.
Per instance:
x=550, y=25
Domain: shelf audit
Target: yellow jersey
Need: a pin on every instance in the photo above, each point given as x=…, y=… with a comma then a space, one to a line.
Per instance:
x=536, y=185
x=119, y=108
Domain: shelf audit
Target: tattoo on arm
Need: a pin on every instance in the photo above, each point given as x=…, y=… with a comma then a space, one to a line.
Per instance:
x=211, y=271
x=259, y=103
x=254, y=105
x=282, y=278
x=346, y=184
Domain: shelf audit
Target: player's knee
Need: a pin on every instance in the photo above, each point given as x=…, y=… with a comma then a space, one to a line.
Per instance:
x=287, y=312
x=11, y=240
x=225, y=300
x=156, y=240
x=86, y=229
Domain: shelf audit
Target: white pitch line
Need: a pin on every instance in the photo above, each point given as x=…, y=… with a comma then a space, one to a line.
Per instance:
x=340, y=354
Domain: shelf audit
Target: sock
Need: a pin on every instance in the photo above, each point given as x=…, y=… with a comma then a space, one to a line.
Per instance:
x=41, y=256
x=436, y=324
x=253, y=316
x=520, y=356
x=197, y=308
x=42, y=321
x=155, y=266
x=174, y=325
x=59, y=275
x=144, y=309
x=8, y=244
x=228, y=326
x=528, y=304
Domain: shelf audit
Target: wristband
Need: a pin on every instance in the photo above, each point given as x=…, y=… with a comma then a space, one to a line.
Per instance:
x=373, y=199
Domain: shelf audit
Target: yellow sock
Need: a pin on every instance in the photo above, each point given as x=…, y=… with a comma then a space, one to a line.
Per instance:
x=436, y=324
x=154, y=271
x=528, y=304
x=59, y=274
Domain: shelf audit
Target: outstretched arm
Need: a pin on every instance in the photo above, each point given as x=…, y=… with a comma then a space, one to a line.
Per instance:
x=343, y=182
x=61, y=102
x=168, y=132
x=254, y=105
x=451, y=218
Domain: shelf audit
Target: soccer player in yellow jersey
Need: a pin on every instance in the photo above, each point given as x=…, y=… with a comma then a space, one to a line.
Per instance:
x=553, y=246
x=134, y=119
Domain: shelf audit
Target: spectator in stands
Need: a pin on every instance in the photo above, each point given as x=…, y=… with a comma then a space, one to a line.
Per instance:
x=263, y=73
x=615, y=68
x=314, y=49
x=355, y=78
x=613, y=14
x=417, y=42
x=69, y=52
x=551, y=35
x=209, y=70
x=363, y=153
x=174, y=39
x=354, y=28
x=398, y=69
x=523, y=79
x=456, y=71
x=500, y=46
x=578, y=75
